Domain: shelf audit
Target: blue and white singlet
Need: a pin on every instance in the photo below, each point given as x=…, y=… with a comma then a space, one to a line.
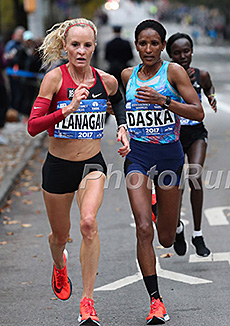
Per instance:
x=150, y=122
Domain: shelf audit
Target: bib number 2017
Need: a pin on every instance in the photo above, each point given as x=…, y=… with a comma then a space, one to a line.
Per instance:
x=85, y=134
x=150, y=131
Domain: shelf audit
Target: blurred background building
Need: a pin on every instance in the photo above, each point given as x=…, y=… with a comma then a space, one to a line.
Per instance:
x=208, y=17
x=23, y=24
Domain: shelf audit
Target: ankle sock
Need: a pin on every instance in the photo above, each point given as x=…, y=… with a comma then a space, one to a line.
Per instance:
x=197, y=233
x=180, y=228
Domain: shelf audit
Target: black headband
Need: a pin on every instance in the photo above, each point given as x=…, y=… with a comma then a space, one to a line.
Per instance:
x=174, y=38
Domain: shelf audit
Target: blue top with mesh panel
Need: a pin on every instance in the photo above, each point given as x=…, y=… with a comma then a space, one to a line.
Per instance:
x=150, y=122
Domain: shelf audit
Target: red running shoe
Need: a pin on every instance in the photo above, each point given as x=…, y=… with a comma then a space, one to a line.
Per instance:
x=88, y=315
x=154, y=208
x=158, y=313
x=61, y=284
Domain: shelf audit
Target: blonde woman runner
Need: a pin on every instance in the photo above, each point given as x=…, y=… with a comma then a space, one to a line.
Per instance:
x=71, y=106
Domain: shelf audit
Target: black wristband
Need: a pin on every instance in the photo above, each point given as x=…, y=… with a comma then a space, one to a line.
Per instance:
x=167, y=102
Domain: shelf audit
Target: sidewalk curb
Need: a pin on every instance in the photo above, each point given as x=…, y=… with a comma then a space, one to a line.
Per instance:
x=8, y=182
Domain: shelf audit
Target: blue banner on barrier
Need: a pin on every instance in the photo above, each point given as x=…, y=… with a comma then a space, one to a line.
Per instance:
x=23, y=73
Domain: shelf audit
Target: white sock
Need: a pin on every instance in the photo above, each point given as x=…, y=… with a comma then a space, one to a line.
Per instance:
x=179, y=229
x=197, y=233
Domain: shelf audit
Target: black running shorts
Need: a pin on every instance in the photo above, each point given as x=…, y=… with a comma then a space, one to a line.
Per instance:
x=189, y=134
x=61, y=176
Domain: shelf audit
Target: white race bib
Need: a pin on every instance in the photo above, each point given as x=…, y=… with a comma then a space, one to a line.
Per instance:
x=87, y=122
x=149, y=119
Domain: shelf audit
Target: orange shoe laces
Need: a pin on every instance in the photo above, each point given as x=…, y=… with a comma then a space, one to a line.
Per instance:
x=154, y=305
x=89, y=308
x=62, y=279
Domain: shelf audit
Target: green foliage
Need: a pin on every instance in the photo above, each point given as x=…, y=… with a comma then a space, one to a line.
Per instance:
x=90, y=6
x=6, y=15
x=11, y=14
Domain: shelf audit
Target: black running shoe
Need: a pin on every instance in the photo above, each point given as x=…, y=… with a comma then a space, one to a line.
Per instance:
x=180, y=245
x=200, y=247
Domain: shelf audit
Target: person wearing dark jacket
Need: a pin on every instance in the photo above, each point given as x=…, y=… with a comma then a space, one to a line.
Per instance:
x=118, y=52
x=3, y=96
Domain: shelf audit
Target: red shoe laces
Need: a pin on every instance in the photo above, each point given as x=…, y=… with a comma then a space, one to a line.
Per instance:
x=89, y=308
x=154, y=304
x=61, y=278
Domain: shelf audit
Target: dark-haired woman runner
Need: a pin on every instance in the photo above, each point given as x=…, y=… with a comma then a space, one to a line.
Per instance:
x=153, y=94
x=193, y=137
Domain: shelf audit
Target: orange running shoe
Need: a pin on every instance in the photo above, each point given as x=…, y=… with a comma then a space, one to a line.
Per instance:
x=158, y=313
x=61, y=284
x=154, y=208
x=88, y=315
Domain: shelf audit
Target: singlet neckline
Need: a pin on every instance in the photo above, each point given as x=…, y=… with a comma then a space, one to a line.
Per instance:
x=94, y=74
x=157, y=73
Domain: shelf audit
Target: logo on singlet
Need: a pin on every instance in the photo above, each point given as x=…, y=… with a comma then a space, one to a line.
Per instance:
x=70, y=93
x=96, y=95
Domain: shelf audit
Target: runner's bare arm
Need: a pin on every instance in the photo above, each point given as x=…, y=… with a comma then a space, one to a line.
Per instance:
x=125, y=75
x=179, y=79
x=208, y=88
x=40, y=118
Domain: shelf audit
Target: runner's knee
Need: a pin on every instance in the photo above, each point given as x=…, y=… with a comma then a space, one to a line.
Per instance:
x=59, y=239
x=88, y=227
x=144, y=231
x=166, y=239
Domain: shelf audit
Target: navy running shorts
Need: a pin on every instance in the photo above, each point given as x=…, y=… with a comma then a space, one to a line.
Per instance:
x=163, y=163
x=61, y=176
x=189, y=134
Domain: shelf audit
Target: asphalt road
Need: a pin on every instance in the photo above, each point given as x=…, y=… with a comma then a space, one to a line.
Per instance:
x=196, y=291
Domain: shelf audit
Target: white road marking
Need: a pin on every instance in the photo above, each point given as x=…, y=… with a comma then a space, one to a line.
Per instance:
x=179, y=277
x=218, y=256
x=216, y=215
x=120, y=283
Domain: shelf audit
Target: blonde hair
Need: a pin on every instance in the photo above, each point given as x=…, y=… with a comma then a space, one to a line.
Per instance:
x=52, y=48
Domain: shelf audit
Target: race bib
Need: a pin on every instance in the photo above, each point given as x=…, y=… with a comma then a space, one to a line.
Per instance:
x=87, y=122
x=149, y=119
x=188, y=122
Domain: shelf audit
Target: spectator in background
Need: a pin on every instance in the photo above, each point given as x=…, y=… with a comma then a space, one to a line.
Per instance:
x=118, y=53
x=11, y=49
x=3, y=96
x=16, y=40
x=28, y=59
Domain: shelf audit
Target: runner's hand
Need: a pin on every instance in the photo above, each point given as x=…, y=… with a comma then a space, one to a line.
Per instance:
x=147, y=94
x=212, y=102
x=80, y=93
x=122, y=137
x=191, y=74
